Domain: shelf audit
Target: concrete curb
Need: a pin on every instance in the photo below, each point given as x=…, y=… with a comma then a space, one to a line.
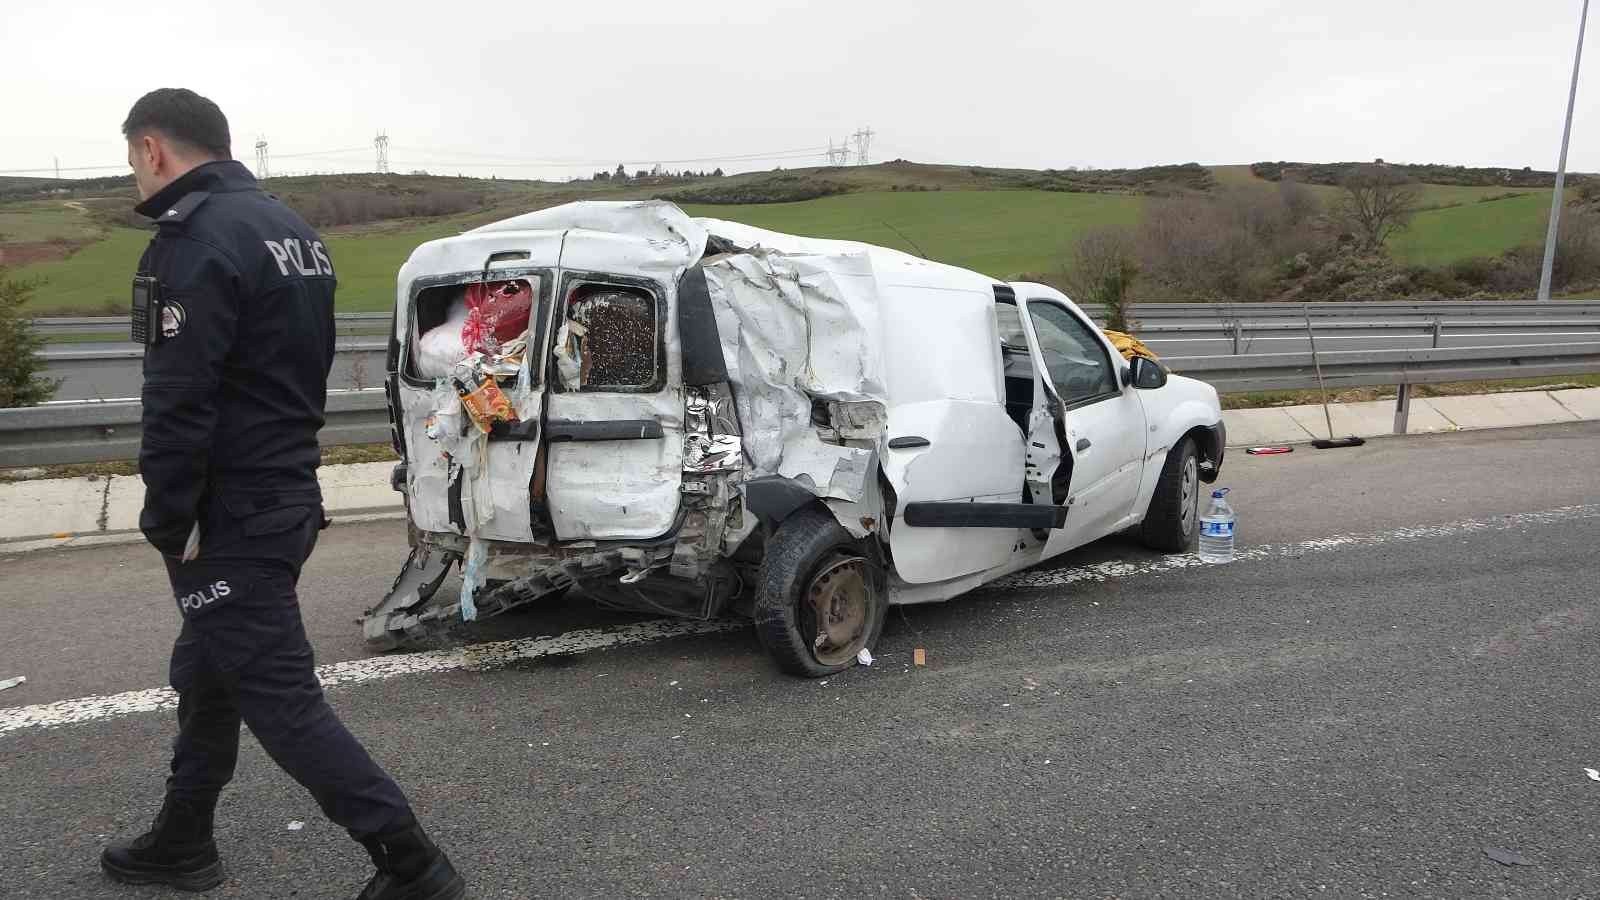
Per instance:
x=95, y=509
x=1299, y=424
x=99, y=510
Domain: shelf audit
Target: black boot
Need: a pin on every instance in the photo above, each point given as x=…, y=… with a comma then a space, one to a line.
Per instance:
x=410, y=867
x=176, y=851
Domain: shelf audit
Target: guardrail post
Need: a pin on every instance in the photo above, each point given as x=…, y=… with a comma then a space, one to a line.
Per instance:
x=1402, y=409
x=1234, y=328
x=1438, y=330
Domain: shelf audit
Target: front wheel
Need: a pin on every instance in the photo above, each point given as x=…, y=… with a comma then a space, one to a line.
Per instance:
x=1172, y=523
x=819, y=600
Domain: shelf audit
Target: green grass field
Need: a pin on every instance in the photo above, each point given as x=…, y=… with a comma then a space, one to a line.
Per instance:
x=1441, y=236
x=93, y=281
x=1003, y=233
x=43, y=221
x=1000, y=233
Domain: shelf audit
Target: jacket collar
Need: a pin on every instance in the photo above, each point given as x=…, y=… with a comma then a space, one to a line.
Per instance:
x=220, y=176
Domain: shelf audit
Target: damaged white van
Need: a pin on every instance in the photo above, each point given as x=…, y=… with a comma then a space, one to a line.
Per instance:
x=697, y=418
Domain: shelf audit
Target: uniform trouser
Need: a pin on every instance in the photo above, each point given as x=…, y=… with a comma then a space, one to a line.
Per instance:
x=243, y=656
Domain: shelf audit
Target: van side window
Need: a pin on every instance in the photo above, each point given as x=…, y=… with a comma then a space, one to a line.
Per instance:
x=608, y=340
x=1078, y=364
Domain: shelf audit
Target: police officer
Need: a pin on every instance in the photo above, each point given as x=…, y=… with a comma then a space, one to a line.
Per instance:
x=234, y=300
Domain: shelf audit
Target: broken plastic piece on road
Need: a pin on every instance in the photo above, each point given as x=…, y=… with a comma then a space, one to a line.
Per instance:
x=919, y=657
x=1268, y=451
x=864, y=657
x=1505, y=857
x=10, y=683
x=296, y=825
x=1594, y=775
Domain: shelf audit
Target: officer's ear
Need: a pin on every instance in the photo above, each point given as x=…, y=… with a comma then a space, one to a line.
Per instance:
x=147, y=153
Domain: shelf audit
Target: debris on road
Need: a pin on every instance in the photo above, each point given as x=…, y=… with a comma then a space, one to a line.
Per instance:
x=296, y=825
x=1506, y=857
x=919, y=657
x=12, y=682
x=864, y=657
x=1268, y=451
x=1593, y=774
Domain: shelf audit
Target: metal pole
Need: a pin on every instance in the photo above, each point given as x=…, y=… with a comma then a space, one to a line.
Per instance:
x=1402, y=409
x=1561, y=167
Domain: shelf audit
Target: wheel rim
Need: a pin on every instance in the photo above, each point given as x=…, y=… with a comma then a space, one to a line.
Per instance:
x=838, y=605
x=1191, y=484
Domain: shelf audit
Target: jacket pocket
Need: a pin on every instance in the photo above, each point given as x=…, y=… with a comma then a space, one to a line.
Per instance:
x=275, y=521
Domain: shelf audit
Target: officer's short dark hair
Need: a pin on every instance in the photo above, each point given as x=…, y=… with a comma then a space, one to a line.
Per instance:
x=183, y=116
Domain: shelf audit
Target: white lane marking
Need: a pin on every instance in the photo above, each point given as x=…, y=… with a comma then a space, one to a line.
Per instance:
x=500, y=653
x=1115, y=569
x=356, y=671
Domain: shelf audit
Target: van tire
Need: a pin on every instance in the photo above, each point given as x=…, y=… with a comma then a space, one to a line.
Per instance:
x=808, y=544
x=1172, y=524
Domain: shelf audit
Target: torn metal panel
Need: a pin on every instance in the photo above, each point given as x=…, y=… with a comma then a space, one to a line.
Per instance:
x=796, y=330
x=614, y=490
x=862, y=514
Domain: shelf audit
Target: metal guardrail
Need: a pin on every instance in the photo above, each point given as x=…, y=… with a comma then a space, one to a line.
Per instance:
x=96, y=432
x=1147, y=314
x=1242, y=347
x=1402, y=368
x=1385, y=309
x=102, y=432
x=346, y=323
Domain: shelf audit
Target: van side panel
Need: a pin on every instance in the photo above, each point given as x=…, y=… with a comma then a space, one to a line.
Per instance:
x=943, y=362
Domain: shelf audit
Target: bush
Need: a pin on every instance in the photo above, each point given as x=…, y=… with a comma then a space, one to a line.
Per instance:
x=1429, y=173
x=1476, y=272
x=1102, y=271
x=1577, y=248
x=348, y=206
x=782, y=187
x=20, y=364
x=1232, y=245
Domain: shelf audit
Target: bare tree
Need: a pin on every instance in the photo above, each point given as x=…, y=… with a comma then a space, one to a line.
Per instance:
x=1375, y=202
x=1102, y=270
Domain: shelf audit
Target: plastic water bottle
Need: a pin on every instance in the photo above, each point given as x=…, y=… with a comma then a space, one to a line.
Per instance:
x=1216, y=529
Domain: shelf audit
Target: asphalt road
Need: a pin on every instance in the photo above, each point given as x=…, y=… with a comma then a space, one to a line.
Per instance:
x=1399, y=675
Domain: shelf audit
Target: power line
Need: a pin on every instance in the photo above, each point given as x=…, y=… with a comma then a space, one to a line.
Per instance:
x=381, y=142
x=428, y=157
x=794, y=153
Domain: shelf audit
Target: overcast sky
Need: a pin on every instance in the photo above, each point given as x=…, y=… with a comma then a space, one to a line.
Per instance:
x=480, y=87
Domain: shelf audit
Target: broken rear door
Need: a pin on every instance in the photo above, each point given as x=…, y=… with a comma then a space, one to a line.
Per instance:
x=614, y=417
x=459, y=480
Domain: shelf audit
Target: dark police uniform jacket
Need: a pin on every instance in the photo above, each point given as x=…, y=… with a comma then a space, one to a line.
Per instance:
x=234, y=386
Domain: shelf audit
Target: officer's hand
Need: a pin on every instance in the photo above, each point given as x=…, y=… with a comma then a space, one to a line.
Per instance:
x=191, y=547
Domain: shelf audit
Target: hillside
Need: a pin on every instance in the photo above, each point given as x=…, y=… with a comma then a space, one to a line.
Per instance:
x=1004, y=222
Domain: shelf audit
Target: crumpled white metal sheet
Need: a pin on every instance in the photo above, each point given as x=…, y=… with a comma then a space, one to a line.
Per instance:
x=797, y=328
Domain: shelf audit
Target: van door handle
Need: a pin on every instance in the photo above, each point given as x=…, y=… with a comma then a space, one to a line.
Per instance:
x=907, y=442
x=1083, y=444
